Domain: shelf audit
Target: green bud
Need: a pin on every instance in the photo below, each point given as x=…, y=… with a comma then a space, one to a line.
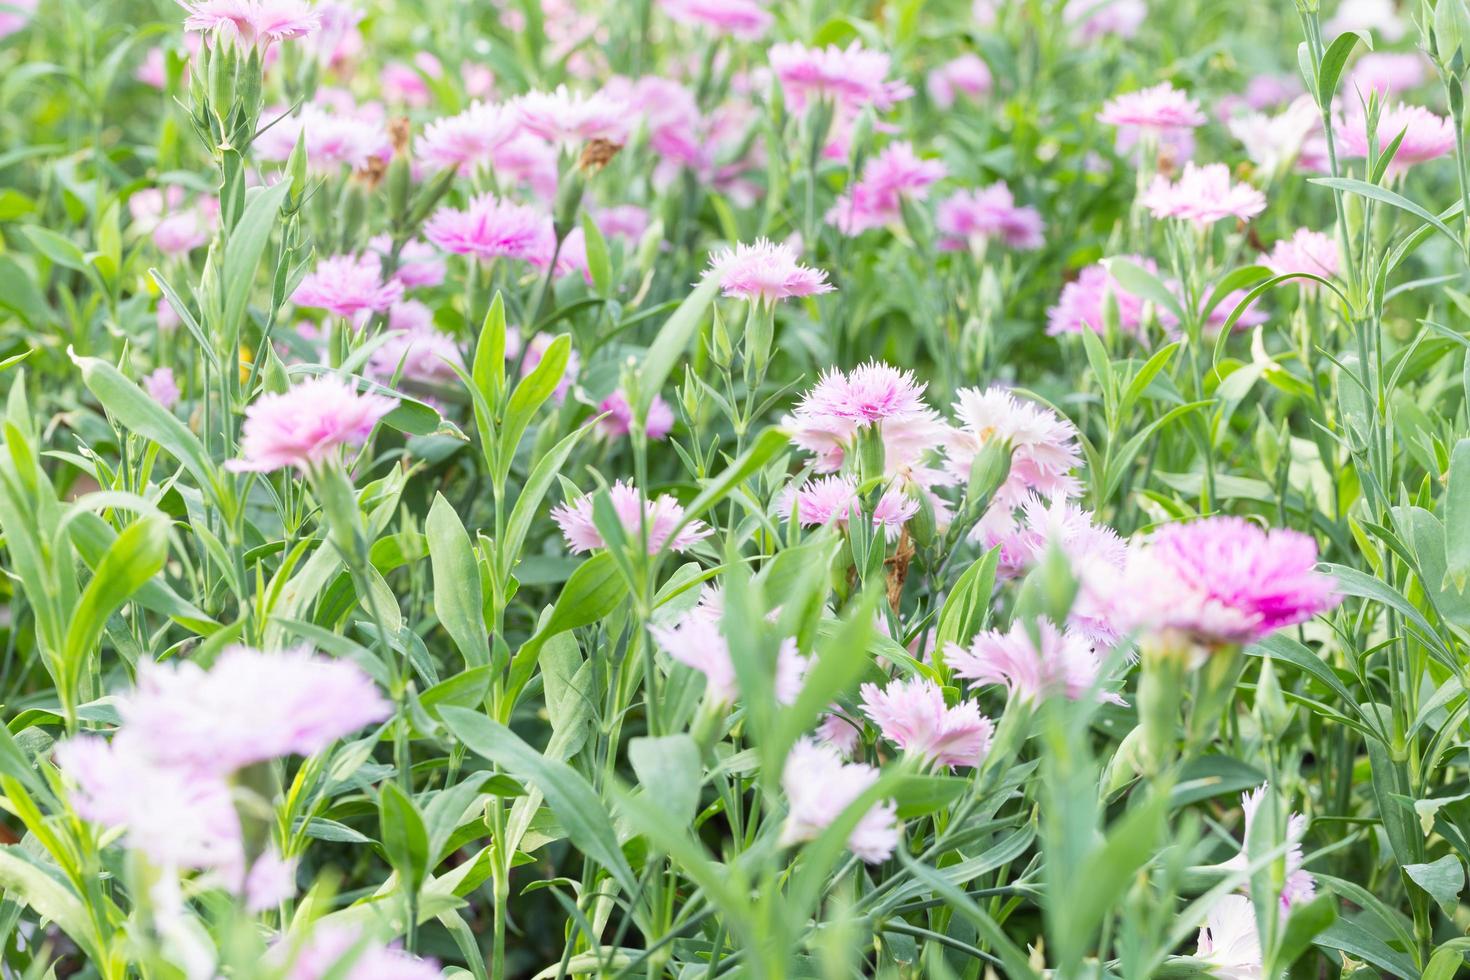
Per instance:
x=296, y=170
x=988, y=472
x=760, y=331
x=923, y=526
x=568, y=200
x=870, y=454
x=1272, y=712
x=722, y=351
x=400, y=185
x=1058, y=584
x=354, y=212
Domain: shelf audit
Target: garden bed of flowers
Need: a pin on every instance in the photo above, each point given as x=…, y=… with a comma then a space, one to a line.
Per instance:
x=734, y=488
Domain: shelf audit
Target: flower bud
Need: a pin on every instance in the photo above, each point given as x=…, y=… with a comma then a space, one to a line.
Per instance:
x=988, y=472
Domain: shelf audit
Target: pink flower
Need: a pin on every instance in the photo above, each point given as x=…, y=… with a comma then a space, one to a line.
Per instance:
x=162, y=387
x=893, y=176
x=1228, y=941
x=830, y=417
x=1093, y=20
x=661, y=515
x=969, y=219
x=834, y=500
x=1223, y=580
x=338, y=41
x=419, y=263
x=766, y=272
x=1426, y=136
x=659, y=424
x=1043, y=445
x=1300, y=885
x=1294, y=135
x=565, y=118
x=405, y=85
x=820, y=786
x=534, y=353
x=966, y=75
x=1378, y=16
x=416, y=347
x=697, y=642
x=271, y=881
x=1065, y=663
x=1388, y=71
x=249, y=707
x=346, y=285
x=1252, y=317
x=491, y=228
x=851, y=77
x=153, y=71
x=743, y=19
x=307, y=424
x=17, y=17
x=912, y=715
x=341, y=951
x=1082, y=303
x=343, y=137
x=1095, y=552
x=181, y=233
x=467, y=141
x=1202, y=196
x=1156, y=109
x=529, y=161
x=1305, y=251
x=252, y=23
x=628, y=221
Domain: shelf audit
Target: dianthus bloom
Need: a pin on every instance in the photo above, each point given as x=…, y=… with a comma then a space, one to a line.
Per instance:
x=697, y=642
x=1229, y=942
x=820, y=786
x=851, y=77
x=1156, y=109
x=347, y=285
x=565, y=117
x=16, y=18
x=766, y=272
x=1426, y=136
x=307, y=424
x=415, y=349
x=182, y=232
x=344, y=136
x=252, y=23
x=1065, y=663
x=893, y=176
x=661, y=515
x=619, y=421
x=1379, y=16
x=419, y=263
x=1202, y=196
x=1300, y=885
x=1093, y=20
x=1388, y=71
x=162, y=387
x=966, y=76
x=875, y=396
x=1043, y=445
x=969, y=219
x=834, y=500
x=491, y=228
x=1223, y=580
x=1294, y=135
x=341, y=951
x=468, y=140
x=1083, y=302
x=1305, y=251
x=743, y=19
x=912, y=715
x=628, y=221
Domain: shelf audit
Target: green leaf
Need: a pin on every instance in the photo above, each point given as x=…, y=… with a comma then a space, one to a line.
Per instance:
x=459, y=598
x=29, y=885
x=593, y=591
x=59, y=249
x=668, y=769
x=528, y=501
x=571, y=798
x=967, y=606
x=18, y=293
x=1333, y=61
x=672, y=341
x=405, y=837
x=1307, y=921
x=1457, y=517
x=134, y=557
x=1375, y=193
x=1443, y=879
x=488, y=370
x=243, y=251
x=528, y=397
x=1361, y=944
x=1135, y=279
x=598, y=265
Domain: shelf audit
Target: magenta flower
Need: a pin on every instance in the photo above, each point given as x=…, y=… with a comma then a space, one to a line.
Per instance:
x=912, y=715
x=820, y=786
x=661, y=514
x=1426, y=136
x=252, y=23
x=306, y=425
x=841, y=405
x=491, y=228
x=966, y=76
x=1156, y=109
x=697, y=642
x=893, y=176
x=834, y=500
x=1202, y=196
x=467, y=141
x=970, y=219
x=347, y=285
x=851, y=77
x=658, y=425
x=746, y=20
x=1387, y=72
x=162, y=387
x=1043, y=445
x=1083, y=301
x=1066, y=663
x=565, y=118
x=1223, y=580
x=766, y=272
x=1305, y=251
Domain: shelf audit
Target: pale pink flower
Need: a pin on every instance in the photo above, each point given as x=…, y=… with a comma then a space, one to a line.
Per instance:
x=150, y=205
x=839, y=731
x=1300, y=884
x=743, y=19
x=17, y=17
x=1229, y=942
x=467, y=141
x=479, y=80
x=820, y=786
x=841, y=405
x=529, y=161
x=851, y=77
x=1294, y=135
x=912, y=715
x=1426, y=136
x=1377, y=16
x=658, y=425
x=343, y=953
x=1156, y=109
x=1043, y=445
x=1388, y=72
x=491, y=228
x=181, y=232
x=697, y=642
x=415, y=347
x=153, y=71
x=252, y=23
x=1092, y=20
x=1095, y=552
x=969, y=219
x=661, y=515
x=534, y=352
x=892, y=177
x=347, y=285
x=766, y=272
x=1252, y=317
x=1202, y=196
x=1305, y=251
x=419, y=263
x=405, y=84
x=270, y=881
x=162, y=387
x=1269, y=91
x=1223, y=580
x=966, y=76
x=1065, y=663
x=1083, y=301
x=565, y=118
x=338, y=41
x=834, y=500
x=307, y=425
x=346, y=136
x=627, y=221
